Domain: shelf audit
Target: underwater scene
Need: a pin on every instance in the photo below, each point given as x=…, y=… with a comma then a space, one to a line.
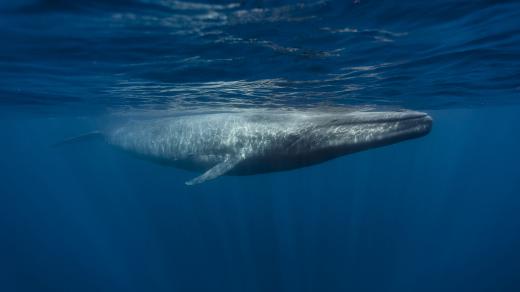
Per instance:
x=259, y=145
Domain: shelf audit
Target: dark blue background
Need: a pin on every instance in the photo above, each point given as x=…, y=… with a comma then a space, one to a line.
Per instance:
x=435, y=214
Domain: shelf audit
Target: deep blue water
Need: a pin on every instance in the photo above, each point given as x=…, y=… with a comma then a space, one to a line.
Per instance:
x=440, y=213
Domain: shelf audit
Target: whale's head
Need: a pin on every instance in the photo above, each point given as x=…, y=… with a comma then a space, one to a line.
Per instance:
x=356, y=131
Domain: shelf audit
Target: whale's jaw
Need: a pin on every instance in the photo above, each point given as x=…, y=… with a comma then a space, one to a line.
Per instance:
x=365, y=130
x=397, y=127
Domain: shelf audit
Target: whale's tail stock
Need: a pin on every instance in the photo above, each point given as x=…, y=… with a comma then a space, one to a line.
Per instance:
x=92, y=136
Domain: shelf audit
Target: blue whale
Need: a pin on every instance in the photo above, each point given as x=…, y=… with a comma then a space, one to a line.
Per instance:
x=253, y=142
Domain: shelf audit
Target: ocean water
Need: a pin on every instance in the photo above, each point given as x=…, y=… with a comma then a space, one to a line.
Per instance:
x=439, y=213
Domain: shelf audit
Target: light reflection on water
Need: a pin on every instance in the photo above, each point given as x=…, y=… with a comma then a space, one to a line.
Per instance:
x=176, y=55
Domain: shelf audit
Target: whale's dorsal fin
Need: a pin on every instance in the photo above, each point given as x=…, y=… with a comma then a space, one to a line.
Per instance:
x=216, y=171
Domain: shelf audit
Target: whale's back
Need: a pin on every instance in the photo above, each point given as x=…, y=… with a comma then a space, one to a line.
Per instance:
x=203, y=139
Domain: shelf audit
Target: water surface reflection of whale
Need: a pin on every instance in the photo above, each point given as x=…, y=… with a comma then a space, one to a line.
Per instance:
x=246, y=143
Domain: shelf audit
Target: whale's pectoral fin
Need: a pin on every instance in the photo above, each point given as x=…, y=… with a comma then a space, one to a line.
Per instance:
x=216, y=171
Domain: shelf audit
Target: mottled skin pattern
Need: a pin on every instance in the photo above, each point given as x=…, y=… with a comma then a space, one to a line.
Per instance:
x=257, y=142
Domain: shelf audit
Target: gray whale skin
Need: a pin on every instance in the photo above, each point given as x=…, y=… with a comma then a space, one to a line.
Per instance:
x=247, y=143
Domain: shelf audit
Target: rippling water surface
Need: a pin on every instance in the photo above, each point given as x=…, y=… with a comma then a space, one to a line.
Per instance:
x=173, y=54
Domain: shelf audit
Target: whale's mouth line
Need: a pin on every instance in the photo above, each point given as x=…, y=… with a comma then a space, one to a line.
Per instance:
x=420, y=122
x=417, y=125
x=423, y=118
x=417, y=117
